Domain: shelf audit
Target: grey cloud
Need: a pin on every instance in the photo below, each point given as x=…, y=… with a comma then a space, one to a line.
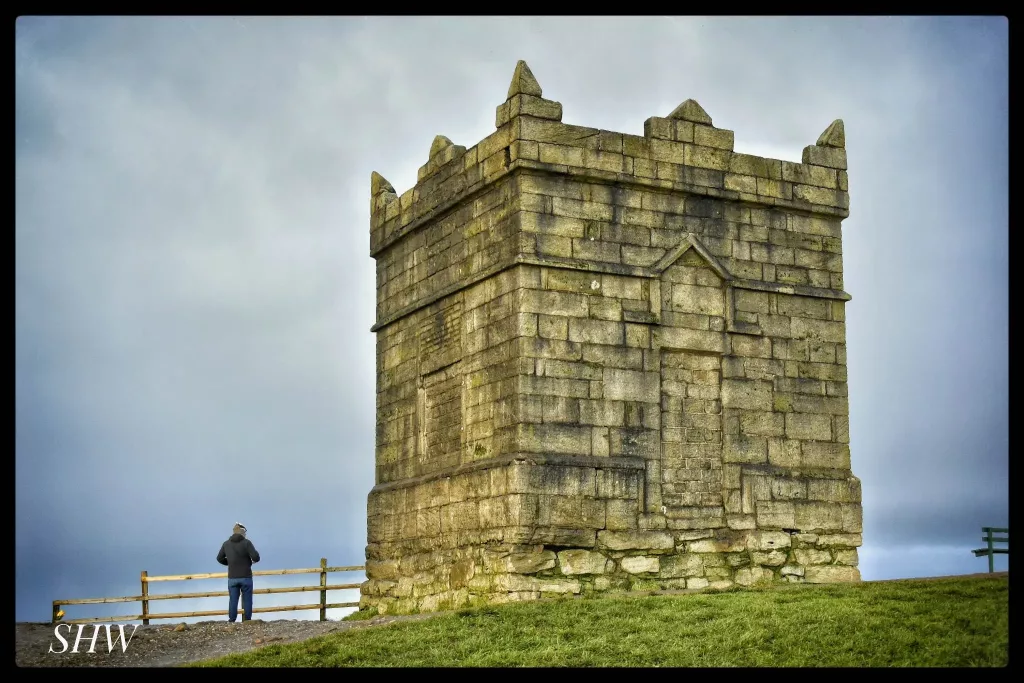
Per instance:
x=194, y=290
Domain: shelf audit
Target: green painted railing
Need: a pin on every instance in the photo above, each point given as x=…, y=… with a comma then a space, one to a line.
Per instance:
x=990, y=550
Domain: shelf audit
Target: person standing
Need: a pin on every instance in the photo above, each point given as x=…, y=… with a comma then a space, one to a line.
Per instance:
x=238, y=554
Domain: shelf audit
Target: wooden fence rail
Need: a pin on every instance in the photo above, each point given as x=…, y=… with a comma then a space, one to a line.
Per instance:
x=145, y=598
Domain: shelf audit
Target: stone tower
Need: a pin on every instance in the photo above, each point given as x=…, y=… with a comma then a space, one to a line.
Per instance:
x=607, y=361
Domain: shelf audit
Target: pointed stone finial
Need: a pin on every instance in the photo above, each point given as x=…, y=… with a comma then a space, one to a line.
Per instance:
x=380, y=185
x=834, y=136
x=523, y=82
x=440, y=144
x=691, y=111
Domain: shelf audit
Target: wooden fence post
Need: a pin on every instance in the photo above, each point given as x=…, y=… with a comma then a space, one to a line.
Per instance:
x=56, y=609
x=145, y=599
x=323, y=591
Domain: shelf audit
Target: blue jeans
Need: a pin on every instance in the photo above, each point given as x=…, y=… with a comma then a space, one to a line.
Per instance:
x=243, y=587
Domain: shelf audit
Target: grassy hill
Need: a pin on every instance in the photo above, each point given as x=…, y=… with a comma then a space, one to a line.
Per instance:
x=953, y=622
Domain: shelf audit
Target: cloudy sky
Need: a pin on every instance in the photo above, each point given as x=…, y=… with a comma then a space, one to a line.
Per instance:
x=194, y=290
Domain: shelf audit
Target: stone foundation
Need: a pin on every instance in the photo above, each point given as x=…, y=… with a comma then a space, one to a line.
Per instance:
x=525, y=529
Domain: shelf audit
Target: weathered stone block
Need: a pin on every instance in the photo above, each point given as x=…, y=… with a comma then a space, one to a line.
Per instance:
x=776, y=515
x=834, y=490
x=562, y=511
x=582, y=562
x=731, y=476
x=618, y=483
x=737, y=560
x=747, y=394
x=756, y=166
x=620, y=515
x=611, y=356
x=768, y=540
x=697, y=299
x=815, y=516
x=603, y=413
x=783, y=453
x=756, y=487
x=592, y=513
x=761, y=423
x=530, y=562
x=839, y=540
x=847, y=557
x=684, y=565
x=709, y=136
x=562, y=536
x=725, y=544
x=635, y=540
x=789, y=488
x=740, y=521
x=750, y=346
x=696, y=340
x=824, y=453
x=771, y=558
x=382, y=569
x=600, y=445
x=744, y=449
x=807, y=426
x=825, y=156
x=830, y=405
x=810, y=556
x=649, y=521
x=740, y=183
x=554, y=438
x=706, y=157
x=754, y=302
x=819, y=330
x=554, y=303
x=493, y=513
x=631, y=385
x=640, y=565
x=804, y=540
x=852, y=517
x=633, y=442
x=553, y=327
x=596, y=331
x=749, y=576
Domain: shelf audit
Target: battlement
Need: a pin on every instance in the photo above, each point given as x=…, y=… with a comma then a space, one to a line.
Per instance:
x=609, y=361
x=683, y=153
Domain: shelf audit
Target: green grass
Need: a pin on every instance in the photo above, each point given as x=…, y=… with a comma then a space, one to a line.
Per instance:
x=361, y=615
x=936, y=623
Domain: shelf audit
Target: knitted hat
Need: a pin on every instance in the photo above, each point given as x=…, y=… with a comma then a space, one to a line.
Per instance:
x=239, y=528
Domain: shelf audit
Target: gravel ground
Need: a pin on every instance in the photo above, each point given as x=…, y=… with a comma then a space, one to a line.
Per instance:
x=165, y=645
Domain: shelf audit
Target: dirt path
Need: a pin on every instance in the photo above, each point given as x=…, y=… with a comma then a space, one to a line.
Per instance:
x=163, y=646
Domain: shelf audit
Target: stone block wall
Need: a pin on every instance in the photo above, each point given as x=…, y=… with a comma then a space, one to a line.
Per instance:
x=608, y=361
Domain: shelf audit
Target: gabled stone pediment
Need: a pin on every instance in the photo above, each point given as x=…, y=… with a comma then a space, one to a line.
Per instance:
x=689, y=242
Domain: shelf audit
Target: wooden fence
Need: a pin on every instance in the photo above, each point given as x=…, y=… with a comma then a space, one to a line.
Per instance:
x=323, y=570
